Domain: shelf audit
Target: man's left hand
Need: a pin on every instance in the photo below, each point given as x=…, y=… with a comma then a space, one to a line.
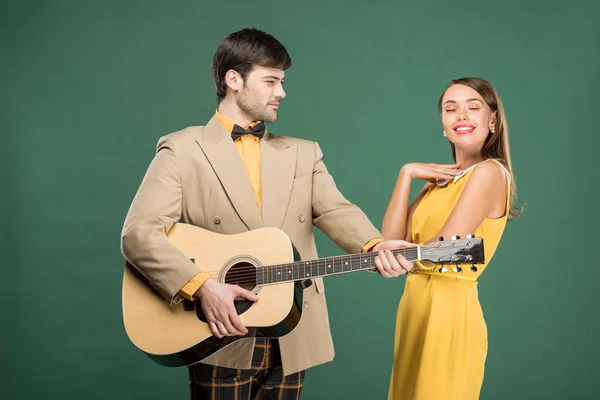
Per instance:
x=389, y=266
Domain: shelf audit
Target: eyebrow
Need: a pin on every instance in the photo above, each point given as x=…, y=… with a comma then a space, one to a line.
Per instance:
x=468, y=101
x=273, y=77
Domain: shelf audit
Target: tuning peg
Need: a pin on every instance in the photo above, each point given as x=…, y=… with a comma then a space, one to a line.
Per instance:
x=441, y=238
x=457, y=269
x=455, y=237
x=470, y=236
x=443, y=269
x=473, y=268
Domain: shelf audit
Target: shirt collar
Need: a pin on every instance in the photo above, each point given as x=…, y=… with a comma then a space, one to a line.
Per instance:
x=228, y=123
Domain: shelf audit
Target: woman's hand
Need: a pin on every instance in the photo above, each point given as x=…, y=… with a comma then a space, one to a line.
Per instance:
x=430, y=172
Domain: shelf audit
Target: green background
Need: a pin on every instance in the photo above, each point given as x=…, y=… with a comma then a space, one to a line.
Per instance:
x=88, y=87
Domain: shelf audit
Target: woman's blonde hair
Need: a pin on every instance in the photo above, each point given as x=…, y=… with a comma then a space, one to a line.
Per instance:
x=496, y=144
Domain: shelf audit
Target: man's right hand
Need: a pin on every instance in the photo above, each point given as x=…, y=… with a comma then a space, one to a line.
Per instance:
x=217, y=303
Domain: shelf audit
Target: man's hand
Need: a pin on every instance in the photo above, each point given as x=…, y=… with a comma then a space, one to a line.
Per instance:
x=217, y=304
x=389, y=266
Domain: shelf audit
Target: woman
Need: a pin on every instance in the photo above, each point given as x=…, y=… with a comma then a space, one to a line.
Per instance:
x=441, y=336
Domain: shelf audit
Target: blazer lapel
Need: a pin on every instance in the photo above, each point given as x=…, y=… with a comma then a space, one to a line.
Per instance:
x=278, y=166
x=227, y=164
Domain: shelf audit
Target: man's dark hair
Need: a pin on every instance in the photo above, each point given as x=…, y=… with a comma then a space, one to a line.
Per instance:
x=241, y=51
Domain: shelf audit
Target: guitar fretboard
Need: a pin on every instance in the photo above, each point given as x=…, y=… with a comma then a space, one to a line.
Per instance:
x=301, y=270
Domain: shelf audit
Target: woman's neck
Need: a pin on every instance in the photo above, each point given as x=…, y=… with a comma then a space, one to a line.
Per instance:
x=467, y=160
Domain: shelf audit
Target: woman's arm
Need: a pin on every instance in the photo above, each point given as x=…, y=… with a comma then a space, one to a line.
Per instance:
x=398, y=214
x=485, y=195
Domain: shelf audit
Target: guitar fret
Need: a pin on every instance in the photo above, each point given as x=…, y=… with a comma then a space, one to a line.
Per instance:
x=366, y=260
x=294, y=273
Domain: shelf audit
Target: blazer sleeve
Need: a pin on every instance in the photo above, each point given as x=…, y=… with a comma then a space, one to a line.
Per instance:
x=341, y=220
x=156, y=207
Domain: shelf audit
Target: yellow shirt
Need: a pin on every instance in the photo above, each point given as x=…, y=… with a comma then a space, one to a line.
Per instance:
x=249, y=148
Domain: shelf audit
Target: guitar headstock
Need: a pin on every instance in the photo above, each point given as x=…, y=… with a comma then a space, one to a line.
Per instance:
x=455, y=251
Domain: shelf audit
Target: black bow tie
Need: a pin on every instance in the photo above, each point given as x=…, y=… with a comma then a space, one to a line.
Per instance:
x=257, y=130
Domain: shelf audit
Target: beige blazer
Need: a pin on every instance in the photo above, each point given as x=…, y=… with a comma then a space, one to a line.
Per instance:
x=197, y=177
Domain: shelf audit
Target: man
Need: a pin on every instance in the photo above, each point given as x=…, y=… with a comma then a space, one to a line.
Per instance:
x=232, y=176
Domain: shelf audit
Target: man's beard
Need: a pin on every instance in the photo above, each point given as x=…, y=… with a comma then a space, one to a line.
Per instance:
x=254, y=109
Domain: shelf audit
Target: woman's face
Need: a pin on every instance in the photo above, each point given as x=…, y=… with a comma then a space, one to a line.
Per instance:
x=466, y=118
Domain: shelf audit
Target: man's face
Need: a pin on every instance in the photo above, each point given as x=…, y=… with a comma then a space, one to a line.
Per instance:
x=261, y=92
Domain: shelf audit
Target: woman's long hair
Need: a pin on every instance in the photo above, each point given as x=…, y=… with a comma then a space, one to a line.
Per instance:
x=496, y=144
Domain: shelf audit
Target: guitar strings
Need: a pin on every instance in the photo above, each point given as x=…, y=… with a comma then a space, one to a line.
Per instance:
x=250, y=277
x=298, y=264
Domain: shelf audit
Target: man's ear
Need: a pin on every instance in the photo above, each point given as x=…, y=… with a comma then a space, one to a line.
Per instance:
x=233, y=80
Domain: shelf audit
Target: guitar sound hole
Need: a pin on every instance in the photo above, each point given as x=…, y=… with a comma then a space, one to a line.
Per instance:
x=242, y=274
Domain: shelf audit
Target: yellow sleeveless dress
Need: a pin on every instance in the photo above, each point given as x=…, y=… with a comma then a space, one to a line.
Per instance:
x=440, y=343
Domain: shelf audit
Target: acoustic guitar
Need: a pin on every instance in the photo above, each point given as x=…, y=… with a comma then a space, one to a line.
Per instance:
x=261, y=261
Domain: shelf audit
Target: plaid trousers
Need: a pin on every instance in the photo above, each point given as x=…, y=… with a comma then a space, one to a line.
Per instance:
x=264, y=381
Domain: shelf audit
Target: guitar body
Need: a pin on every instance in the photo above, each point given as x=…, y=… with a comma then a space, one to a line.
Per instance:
x=178, y=335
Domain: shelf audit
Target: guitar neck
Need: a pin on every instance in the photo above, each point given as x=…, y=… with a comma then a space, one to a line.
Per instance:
x=301, y=270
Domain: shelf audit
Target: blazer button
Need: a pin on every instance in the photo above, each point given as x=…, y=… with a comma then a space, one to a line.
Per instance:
x=301, y=218
x=217, y=220
x=306, y=305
